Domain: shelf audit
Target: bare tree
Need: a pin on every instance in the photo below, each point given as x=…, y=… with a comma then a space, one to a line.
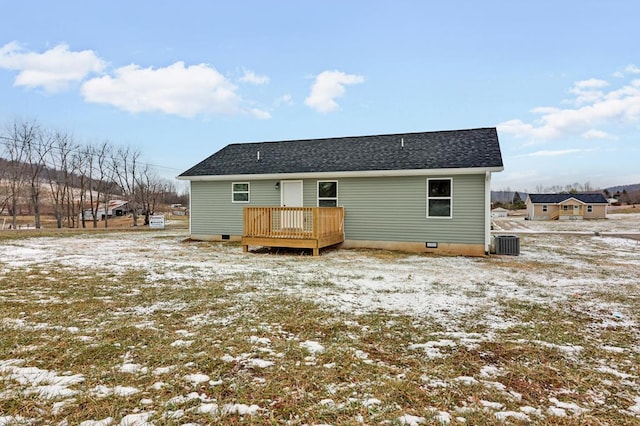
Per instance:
x=106, y=175
x=126, y=167
x=5, y=193
x=61, y=172
x=38, y=145
x=16, y=154
x=81, y=163
x=101, y=180
x=153, y=190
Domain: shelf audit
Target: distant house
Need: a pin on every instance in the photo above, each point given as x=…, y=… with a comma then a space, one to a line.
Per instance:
x=114, y=208
x=566, y=206
x=426, y=192
x=499, y=212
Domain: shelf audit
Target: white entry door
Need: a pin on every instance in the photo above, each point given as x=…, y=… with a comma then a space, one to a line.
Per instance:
x=291, y=196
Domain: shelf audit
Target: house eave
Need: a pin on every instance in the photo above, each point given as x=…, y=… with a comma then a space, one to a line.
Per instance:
x=347, y=174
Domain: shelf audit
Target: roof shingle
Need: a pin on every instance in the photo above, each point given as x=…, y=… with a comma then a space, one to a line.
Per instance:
x=472, y=148
x=558, y=198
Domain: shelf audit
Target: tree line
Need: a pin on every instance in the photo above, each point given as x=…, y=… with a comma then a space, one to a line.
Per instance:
x=46, y=171
x=515, y=200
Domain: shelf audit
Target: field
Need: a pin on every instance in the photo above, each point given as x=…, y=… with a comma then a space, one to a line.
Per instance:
x=137, y=328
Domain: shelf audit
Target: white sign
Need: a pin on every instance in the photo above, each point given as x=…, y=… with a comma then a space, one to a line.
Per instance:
x=156, y=221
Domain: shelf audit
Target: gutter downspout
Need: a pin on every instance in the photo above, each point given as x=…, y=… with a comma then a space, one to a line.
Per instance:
x=190, y=209
x=487, y=212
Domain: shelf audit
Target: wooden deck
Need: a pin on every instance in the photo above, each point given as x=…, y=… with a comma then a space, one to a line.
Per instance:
x=294, y=227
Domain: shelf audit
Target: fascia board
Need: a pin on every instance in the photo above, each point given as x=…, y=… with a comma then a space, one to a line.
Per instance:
x=346, y=174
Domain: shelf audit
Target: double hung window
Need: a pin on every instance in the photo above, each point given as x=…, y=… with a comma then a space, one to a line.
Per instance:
x=440, y=198
x=240, y=192
x=328, y=193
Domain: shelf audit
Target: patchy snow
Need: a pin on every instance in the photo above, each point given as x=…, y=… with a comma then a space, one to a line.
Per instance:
x=133, y=368
x=491, y=404
x=531, y=410
x=102, y=391
x=443, y=417
x=466, y=380
x=164, y=370
x=138, y=419
x=575, y=408
x=635, y=408
x=104, y=422
x=410, y=420
x=552, y=269
x=197, y=378
x=443, y=288
x=505, y=415
x=432, y=349
x=44, y=383
x=371, y=401
x=241, y=409
x=614, y=372
x=615, y=349
x=181, y=343
x=312, y=347
x=260, y=340
x=489, y=371
x=259, y=363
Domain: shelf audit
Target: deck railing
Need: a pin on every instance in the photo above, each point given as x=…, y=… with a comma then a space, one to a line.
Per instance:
x=293, y=222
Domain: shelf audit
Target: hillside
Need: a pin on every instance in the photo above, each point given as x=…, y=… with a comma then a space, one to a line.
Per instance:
x=629, y=188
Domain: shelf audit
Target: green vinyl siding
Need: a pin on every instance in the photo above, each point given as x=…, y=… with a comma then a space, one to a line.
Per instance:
x=394, y=209
x=213, y=213
x=376, y=208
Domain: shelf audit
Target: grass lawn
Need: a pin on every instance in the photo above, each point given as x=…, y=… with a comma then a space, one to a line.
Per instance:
x=140, y=328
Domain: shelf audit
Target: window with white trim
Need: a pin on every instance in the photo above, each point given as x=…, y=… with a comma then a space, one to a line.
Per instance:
x=545, y=208
x=240, y=192
x=327, y=193
x=589, y=209
x=439, y=198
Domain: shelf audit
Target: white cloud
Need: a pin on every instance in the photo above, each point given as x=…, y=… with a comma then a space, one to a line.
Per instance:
x=594, y=107
x=328, y=86
x=285, y=99
x=175, y=89
x=596, y=134
x=592, y=83
x=632, y=69
x=259, y=113
x=252, y=78
x=587, y=91
x=53, y=70
x=554, y=153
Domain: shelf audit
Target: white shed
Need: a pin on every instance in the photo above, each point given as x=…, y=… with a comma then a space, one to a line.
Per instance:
x=499, y=212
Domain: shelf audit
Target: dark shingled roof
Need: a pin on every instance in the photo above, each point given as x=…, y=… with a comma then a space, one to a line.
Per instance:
x=473, y=148
x=558, y=198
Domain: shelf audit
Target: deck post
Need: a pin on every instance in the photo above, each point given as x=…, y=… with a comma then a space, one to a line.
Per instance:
x=315, y=221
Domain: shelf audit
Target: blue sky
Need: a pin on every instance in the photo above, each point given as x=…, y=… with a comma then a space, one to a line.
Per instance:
x=180, y=80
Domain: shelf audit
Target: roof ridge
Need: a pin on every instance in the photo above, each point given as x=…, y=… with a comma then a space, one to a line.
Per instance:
x=362, y=136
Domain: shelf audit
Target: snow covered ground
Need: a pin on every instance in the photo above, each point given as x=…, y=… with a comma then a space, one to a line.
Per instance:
x=469, y=300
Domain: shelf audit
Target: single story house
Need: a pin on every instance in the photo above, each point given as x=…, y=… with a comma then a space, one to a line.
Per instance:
x=499, y=212
x=426, y=192
x=566, y=206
